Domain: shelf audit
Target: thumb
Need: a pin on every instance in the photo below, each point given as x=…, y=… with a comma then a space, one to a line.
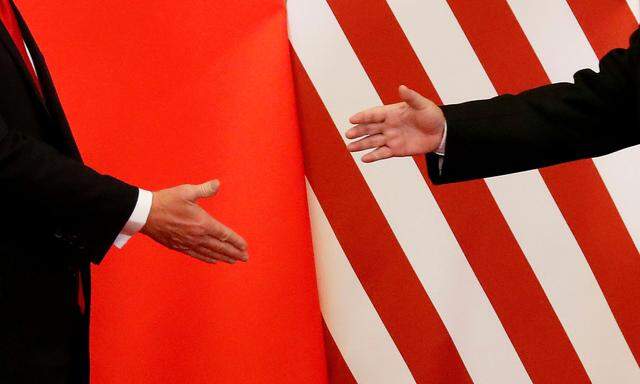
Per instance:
x=205, y=190
x=413, y=98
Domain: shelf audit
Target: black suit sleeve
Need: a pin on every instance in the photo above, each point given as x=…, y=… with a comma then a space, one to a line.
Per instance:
x=594, y=116
x=78, y=207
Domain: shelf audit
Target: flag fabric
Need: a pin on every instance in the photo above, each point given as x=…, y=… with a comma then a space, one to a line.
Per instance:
x=525, y=278
x=161, y=93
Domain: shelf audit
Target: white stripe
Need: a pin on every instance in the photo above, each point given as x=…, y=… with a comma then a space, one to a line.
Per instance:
x=358, y=331
x=526, y=203
x=407, y=203
x=635, y=8
x=437, y=37
x=555, y=36
x=564, y=49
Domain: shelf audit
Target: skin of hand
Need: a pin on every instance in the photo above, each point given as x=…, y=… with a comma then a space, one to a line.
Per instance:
x=414, y=126
x=179, y=223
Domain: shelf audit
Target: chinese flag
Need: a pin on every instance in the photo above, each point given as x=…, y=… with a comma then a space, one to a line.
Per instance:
x=161, y=93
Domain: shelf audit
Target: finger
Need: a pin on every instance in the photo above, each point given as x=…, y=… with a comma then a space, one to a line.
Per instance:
x=204, y=190
x=226, y=249
x=368, y=116
x=219, y=231
x=200, y=257
x=206, y=252
x=377, y=154
x=413, y=98
x=227, y=235
x=364, y=129
x=368, y=142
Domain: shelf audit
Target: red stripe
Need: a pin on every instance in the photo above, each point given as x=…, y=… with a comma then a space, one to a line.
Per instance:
x=606, y=23
x=491, y=248
x=514, y=72
x=371, y=247
x=577, y=188
x=338, y=370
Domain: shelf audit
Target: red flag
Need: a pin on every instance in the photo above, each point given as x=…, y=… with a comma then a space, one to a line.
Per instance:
x=167, y=92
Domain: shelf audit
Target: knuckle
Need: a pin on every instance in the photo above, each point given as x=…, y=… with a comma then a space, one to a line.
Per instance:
x=220, y=247
x=211, y=246
x=219, y=233
x=197, y=217
x=199, y=242
x=209, y=223
x=198, y=224
x=198, y=230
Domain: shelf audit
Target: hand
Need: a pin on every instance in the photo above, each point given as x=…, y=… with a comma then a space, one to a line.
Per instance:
x=414, y=126
x=179, y=223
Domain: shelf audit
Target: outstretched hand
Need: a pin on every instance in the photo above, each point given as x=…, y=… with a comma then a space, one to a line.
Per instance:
x=412, y=127
x=179, y=223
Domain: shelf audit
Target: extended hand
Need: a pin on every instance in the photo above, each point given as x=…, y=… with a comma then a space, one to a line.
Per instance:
x=179, y=223
x=414, y=126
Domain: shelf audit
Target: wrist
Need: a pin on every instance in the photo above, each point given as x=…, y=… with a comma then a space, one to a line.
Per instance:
x=145, y=228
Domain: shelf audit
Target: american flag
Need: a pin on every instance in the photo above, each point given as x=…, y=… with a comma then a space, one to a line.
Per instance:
x=526, y=278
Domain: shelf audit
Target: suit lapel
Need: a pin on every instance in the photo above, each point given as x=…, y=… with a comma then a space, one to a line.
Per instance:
x=7, y=41
x=49, y=101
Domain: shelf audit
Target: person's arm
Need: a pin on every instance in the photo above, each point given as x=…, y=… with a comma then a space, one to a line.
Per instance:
x=137, y=220
x=85, y=211
x=595, y=115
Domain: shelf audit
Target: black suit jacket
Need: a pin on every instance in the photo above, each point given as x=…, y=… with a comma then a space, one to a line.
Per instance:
x=57, y=216
x=596, y=115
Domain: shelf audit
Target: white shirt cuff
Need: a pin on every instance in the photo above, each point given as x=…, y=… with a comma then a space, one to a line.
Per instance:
x=137, y=220
x=440, y=150
x=443, y=142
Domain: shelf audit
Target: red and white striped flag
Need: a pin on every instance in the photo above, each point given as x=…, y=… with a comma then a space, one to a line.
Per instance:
x=533, y=277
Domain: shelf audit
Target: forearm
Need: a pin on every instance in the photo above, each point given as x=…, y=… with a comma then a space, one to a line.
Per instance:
x=595, y=115
x=83, y=209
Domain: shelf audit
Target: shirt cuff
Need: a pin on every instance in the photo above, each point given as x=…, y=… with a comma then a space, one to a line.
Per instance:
x=440, y=150
x=137, y=220
x=443, y=142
